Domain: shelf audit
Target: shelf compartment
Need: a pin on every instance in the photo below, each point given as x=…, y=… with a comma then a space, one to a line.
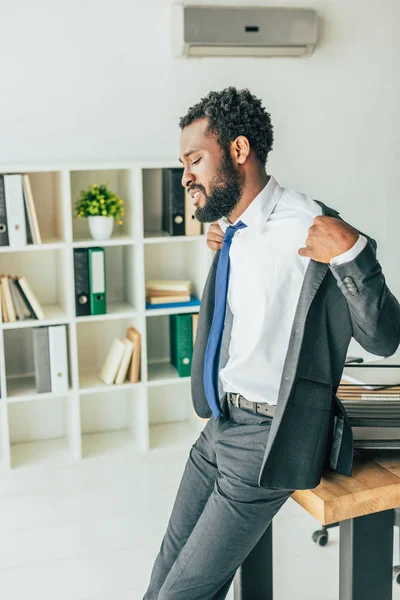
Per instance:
x=113, y=423
x=152, y=209
x=119, y=181
x=94, y=341
x=19, y=365
x=41, y=433
x=46, y=275
x=173, y=423
x=122, y=294
x=159, y=368
x=178, y=261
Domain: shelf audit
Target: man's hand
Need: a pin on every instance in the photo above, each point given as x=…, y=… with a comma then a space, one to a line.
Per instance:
x=328, y=237
x=215, y=236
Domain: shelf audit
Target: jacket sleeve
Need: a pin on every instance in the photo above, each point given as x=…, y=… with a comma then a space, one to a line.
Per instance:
x=374, y=311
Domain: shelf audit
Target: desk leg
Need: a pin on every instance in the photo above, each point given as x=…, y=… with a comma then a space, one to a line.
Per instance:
x=366, y=557
x=253, y=580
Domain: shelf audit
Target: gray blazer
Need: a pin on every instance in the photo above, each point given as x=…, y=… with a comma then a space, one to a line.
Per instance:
x=310, y=430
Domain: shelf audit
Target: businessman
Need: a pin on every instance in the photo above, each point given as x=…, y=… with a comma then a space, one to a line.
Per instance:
x=290, y=284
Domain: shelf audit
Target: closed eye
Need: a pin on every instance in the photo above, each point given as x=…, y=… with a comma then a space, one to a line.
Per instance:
x=195, y=162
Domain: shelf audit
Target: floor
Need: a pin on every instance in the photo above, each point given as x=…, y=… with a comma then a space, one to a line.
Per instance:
x=91, y=531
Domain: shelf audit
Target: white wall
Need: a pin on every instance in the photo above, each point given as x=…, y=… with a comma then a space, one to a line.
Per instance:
x=95, y=79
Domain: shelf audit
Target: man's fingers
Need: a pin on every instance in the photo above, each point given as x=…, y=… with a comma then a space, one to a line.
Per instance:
x=305, y=252
x=214, y=245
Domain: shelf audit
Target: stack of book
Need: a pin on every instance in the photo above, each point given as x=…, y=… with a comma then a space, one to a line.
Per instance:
x=183, y=330
x=17, y=206
x=167, y=292
x=90, y=281
x=17, y=300
x=178, y=208
x=50, y=359
x=123, y=359
x=370, y=394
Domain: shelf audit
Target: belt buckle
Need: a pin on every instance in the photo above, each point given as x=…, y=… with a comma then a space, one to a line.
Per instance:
x=235, y=399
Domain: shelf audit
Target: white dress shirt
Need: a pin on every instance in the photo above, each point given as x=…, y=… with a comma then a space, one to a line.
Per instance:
x=266, y=276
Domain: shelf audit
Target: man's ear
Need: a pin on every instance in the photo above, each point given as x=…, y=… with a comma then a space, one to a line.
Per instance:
x=240, y=149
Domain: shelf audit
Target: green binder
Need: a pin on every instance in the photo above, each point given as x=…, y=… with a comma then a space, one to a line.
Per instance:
x=181, y=343
x=97, y=281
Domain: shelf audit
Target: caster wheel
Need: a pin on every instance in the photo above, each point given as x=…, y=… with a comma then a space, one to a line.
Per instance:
x=320, y=537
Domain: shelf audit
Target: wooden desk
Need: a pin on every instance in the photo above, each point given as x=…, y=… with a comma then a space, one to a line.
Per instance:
x=363, y=506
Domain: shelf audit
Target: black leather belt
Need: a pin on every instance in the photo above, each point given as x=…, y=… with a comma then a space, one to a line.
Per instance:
x=258, y=407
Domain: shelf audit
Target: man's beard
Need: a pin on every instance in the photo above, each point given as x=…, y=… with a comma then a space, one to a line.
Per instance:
x=225, y=192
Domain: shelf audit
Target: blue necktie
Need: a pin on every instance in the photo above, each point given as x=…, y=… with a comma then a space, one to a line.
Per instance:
x=213, y=349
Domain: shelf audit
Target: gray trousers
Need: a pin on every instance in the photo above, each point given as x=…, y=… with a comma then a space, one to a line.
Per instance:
x=219, y=513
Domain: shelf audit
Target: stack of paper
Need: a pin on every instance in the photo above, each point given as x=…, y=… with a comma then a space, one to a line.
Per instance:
x=370, y=394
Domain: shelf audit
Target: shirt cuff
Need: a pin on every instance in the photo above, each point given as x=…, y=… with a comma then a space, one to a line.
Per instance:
x=350, y=254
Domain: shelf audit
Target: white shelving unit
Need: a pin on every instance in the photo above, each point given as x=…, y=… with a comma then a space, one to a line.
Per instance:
x=94, y=419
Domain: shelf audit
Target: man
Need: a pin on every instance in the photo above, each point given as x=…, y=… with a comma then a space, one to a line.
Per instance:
x=289, y=285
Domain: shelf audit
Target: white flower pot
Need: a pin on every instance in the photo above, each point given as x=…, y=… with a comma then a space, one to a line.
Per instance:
x=101, y=227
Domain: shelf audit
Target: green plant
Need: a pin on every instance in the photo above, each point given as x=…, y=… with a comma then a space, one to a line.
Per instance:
x=99, y=201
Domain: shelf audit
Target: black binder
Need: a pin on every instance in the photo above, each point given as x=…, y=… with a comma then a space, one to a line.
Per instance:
x=3, y=215
x=82, y=282
x=173, y=205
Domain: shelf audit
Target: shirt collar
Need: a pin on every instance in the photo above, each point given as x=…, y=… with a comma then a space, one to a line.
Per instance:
x=259, y=210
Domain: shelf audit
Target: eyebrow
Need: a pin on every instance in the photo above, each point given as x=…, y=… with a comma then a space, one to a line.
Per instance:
x=189, y=153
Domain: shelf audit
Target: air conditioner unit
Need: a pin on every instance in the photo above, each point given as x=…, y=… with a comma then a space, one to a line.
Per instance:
x=203, y=31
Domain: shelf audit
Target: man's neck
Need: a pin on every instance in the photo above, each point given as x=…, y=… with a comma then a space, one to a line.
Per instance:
x=250, y=191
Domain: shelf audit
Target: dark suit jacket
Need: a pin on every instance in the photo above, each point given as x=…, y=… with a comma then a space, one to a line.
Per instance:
x=310, y=429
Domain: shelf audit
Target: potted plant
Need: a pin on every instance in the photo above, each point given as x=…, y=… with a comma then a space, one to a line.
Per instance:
x=101, y=207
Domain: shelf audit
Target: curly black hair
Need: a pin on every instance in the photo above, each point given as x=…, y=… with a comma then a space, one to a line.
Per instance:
x=231, y=113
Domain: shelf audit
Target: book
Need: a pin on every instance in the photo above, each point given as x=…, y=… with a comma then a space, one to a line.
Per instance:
x=181, y=343
x=15, y=208
x=29, y=297
x=30, y=210
x=113, y=360
x=166, y=299
x=134, y=369
x=125, y=361
x=3, y=308
x=168, y=285
x=19, y=305
x=192, y=302
x=41, y=357
x=195, y=321
x=8, y=299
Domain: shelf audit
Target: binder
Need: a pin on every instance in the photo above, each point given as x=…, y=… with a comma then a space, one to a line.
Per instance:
x=181, y=343
x=58, y=358
x=15, y=208
x=41, y=359
x=97, y=281
x=173, y=204
x=3, y=214
x=82, y=288
x=192, y=225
